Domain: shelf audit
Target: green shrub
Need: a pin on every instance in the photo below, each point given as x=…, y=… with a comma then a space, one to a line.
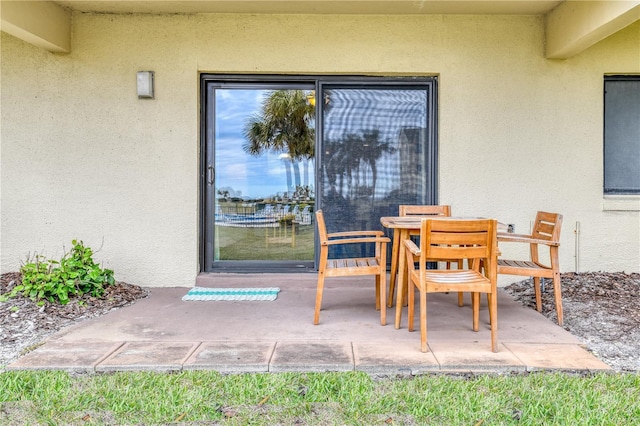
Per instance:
x=287, y=219
x=56, y=281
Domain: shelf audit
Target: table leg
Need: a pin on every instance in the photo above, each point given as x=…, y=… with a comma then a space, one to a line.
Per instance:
x=394, y=266
x=402, y=267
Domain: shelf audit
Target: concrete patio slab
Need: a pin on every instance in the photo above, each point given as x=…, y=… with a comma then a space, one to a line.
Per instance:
x=556, y=357
x=516, y=323
x=156, y=356
x=69, y=356
x=456, y=356
x=163, y=332
x=231, y=357
x=312, y=357
x=389, y=358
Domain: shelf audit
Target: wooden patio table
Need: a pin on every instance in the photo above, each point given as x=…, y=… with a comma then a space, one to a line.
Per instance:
x=403, y=226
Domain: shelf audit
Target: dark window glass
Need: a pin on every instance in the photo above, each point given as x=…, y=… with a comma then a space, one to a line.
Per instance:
x=622, y=135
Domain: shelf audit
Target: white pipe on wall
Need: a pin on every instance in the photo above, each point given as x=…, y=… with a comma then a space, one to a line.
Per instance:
x=576, y=232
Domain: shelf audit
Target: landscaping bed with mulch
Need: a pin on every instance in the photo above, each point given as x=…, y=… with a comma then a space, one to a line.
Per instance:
x=24, y=324
x=602, y=309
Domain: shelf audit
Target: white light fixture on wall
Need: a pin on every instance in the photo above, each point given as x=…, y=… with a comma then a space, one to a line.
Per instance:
x=145, y=84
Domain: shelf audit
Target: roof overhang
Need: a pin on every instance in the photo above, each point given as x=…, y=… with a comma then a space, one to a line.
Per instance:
x=358, y=7
x=571, y=25
x=574, y=26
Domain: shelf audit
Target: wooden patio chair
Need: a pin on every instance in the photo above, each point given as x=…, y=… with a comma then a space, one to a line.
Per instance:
x=546, y=232
x=422, y=211
x=341, y=267
x=473, y=240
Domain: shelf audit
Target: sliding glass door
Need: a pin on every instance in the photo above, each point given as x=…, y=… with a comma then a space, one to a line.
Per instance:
x=275, y=149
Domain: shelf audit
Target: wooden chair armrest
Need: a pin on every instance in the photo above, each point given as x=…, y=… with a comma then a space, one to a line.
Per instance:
x=357, y=240
x=521, y=238
x=412, y=247
x=510, y=235
x=355, y=234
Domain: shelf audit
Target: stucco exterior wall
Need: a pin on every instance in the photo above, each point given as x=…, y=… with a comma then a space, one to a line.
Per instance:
x=83, y=157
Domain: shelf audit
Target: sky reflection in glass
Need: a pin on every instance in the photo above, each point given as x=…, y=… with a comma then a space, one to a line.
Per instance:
x=241, y=174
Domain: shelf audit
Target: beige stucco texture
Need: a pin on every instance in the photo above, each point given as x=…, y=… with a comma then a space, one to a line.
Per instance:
x=82, y=157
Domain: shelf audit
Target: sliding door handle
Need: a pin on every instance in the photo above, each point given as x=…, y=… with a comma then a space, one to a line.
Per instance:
x=210, y=175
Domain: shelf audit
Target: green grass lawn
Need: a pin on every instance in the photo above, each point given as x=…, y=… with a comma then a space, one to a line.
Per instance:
x=252, y=243
x=317, y=399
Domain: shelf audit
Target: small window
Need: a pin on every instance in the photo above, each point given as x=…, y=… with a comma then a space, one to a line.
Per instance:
x=622, y=135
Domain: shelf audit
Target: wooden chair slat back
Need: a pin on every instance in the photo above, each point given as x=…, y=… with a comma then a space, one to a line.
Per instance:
x=424, y=210
x=458, y=239
x=547, y=226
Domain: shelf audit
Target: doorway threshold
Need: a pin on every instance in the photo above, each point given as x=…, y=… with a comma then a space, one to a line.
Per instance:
x=301, y=278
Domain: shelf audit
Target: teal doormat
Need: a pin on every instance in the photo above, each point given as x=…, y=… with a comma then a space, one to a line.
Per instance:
x=260, y=294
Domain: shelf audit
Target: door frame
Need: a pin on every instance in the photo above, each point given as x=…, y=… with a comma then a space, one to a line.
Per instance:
x=316, y=83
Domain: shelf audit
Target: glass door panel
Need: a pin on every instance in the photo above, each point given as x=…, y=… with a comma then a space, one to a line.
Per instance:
x=376, y=153
x=264, y=175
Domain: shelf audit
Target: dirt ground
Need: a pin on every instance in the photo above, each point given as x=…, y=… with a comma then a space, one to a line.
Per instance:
x=602, y=309
x=24, y=324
